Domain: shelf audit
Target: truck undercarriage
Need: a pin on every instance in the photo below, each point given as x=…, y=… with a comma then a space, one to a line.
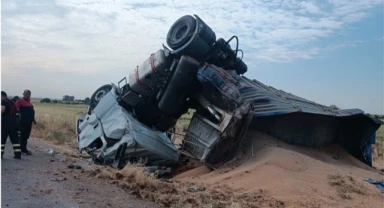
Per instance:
x=129, y=121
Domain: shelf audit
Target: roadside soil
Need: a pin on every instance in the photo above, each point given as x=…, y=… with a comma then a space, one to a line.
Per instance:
x=42, y=180
x=267, y=173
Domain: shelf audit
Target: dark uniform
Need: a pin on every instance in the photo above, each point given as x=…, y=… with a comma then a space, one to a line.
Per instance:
x=27, y=113
x=14, y=99
x=9, y=127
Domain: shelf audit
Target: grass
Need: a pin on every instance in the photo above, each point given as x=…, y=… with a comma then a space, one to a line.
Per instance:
x=378, y=148
x=56, y=122
x=380, y=134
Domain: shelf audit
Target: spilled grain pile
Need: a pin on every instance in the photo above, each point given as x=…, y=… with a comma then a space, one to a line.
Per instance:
x=172, y=194
x=298, y=176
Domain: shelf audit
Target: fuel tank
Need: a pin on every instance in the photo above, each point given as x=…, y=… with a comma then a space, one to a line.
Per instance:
x=179, y=85
x=147, y=78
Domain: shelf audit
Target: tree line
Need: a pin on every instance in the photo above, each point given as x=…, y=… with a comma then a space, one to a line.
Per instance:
x=48, y=100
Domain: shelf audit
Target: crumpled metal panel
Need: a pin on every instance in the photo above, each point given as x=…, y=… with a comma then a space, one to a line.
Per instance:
x=212, y=143
x=269, y=101
x=112, y=121
x=154, y=141
x=201, y=137
x=111, y=116
x=220, y=87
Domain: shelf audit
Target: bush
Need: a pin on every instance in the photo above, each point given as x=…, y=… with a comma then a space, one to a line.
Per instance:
x=45, y=100
x=87, y=100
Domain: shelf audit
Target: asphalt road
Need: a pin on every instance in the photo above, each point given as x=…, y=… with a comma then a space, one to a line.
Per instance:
x=43, y=180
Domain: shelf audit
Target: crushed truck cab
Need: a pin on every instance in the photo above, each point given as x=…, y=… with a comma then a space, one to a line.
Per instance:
x=129, y=121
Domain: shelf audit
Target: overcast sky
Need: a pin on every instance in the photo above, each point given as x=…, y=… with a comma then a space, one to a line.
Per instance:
x=330, y=51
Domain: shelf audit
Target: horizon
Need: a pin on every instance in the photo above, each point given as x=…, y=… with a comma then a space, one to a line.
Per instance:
x=328, y=52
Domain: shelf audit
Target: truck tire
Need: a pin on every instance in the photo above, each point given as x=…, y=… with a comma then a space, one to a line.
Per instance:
x=181, y=31
x=97, y=95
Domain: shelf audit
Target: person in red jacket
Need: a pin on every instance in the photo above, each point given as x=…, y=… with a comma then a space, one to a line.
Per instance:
x=27, y=113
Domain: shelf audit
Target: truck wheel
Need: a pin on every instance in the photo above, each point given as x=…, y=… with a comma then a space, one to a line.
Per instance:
x=98, y=94
x=181, y=31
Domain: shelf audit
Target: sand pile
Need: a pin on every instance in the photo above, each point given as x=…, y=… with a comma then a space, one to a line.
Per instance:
x=171, y=194
x=298, y=176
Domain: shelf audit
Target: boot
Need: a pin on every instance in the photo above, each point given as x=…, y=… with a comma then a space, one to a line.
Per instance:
x=27, y=152
x=17, y=155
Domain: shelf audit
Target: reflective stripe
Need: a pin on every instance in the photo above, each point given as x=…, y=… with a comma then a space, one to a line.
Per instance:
x=17, y=150
x=3, y=145
x=2, y=150
x=16, y=145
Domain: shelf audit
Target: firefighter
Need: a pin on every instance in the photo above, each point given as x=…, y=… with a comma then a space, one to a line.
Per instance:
x=27, y=118
x=14, y=99
x=9, y=125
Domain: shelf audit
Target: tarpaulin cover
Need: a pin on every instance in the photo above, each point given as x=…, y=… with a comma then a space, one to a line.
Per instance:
x=379, y=184
x=302, y=122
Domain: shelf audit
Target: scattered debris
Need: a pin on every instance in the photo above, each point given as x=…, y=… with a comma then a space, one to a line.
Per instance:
x=196, y=189
x=78, y=167
x=59, y=179
x=71, y=166
x=51, y=151
x=379, y=184
x=46, y=192
x=159, y=172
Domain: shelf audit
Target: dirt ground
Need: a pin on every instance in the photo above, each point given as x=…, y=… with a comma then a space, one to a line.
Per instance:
x=268, y=173
x=298, y=176
x=42, y=180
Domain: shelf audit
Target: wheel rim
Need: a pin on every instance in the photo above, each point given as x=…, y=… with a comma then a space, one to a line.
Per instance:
x=100, y=95
x=180, y=31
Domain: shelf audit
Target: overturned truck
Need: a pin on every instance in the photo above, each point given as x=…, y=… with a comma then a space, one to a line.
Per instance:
x=128, y=122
